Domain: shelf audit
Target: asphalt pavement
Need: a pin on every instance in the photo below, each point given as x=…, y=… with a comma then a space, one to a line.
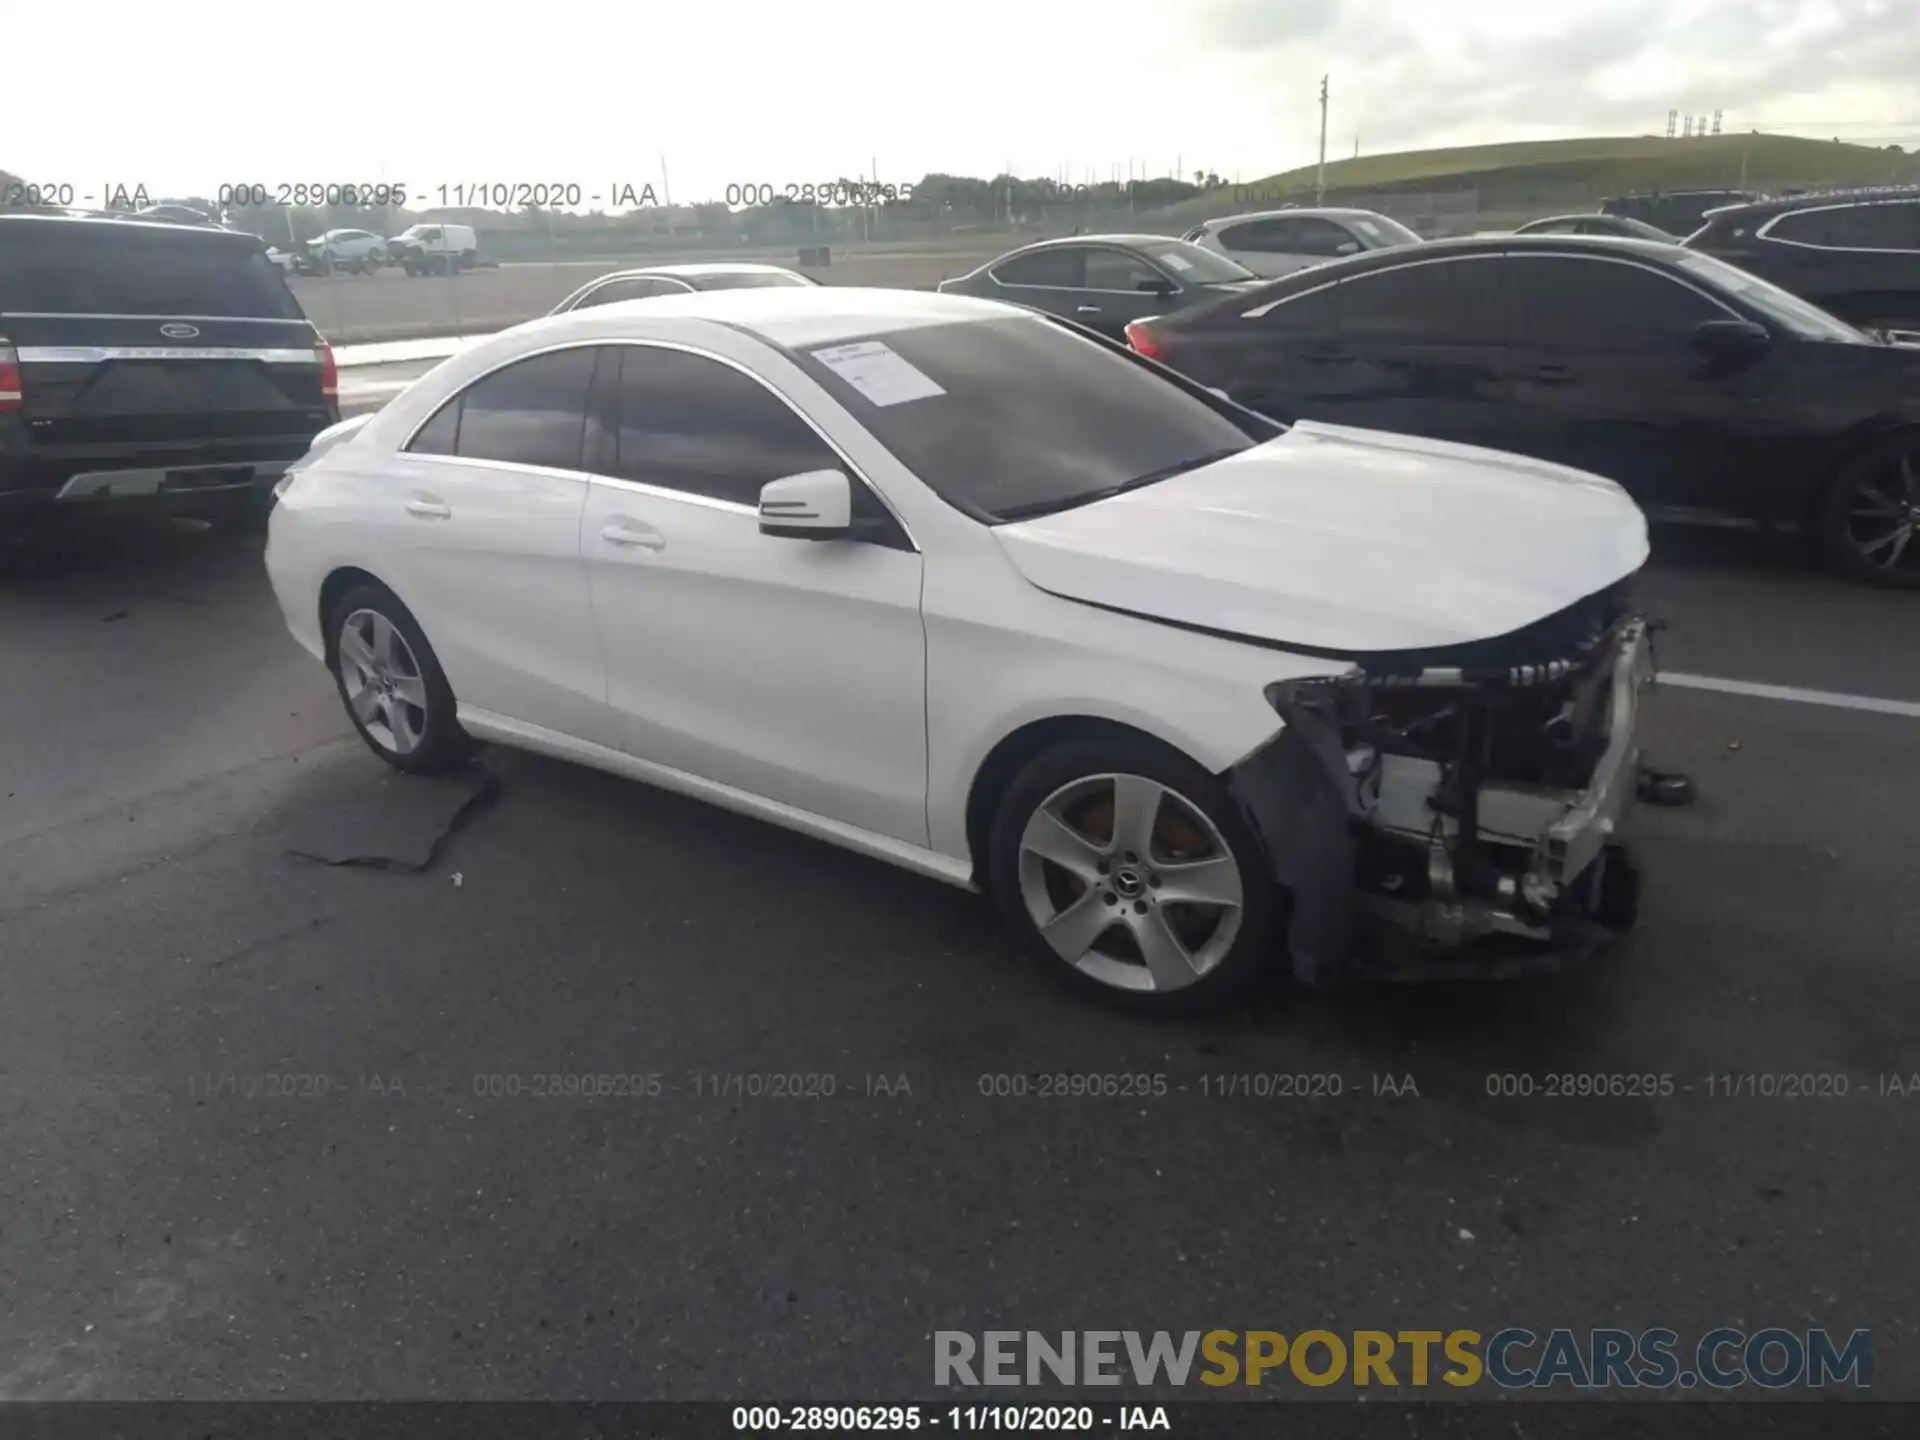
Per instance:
x=271, y=1129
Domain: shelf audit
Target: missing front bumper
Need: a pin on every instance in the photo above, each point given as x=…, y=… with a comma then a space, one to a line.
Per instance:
x=1400, y=862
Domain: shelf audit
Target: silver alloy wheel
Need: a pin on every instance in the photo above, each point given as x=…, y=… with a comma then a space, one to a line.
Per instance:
x=1883, y=513
x=382, y=680
x=1130, y=883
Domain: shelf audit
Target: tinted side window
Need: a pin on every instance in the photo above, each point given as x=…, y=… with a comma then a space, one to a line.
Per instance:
x=1262, y=237
x=1064, y=266
x=1805, y=227
x=1316, y=313
x=1574, y=304
x=441, y=434
x=1314, y=236
x=530, y=413
x=1879, y=227
x=613, y=290
x=1449, y=302
x=1117, y=270
x=692, y=424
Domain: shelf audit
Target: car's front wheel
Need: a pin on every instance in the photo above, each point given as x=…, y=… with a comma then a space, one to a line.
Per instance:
x=1132, y=875
x=395, y=692
x=1870, y=522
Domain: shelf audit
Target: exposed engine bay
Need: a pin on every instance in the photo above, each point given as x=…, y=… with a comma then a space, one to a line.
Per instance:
x=1452, y=795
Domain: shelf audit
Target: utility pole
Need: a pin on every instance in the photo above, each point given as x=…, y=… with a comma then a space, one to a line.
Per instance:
x=1321, y=195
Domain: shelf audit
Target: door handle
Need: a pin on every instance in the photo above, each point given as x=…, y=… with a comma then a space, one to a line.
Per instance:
x=620, y=533
x=430, y=509
x=1552, y=374
x=1089, y=309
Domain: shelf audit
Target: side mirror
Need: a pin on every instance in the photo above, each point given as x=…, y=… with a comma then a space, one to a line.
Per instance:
x=1731, y=340
x=814, y=505
x=1155, y=287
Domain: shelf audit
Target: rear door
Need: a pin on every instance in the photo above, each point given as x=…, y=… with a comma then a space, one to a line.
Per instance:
x=476, y=526
x=1422, y=351
x=1281, y=358
x=154, y=338
x=1053, y=279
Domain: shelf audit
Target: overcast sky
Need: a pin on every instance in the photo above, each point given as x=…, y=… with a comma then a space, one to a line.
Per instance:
x=181, y=97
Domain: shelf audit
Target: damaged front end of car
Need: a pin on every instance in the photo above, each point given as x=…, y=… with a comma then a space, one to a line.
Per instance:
x=1457, y=810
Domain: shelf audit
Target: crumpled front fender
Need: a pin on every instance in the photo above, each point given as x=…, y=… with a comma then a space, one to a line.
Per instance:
x=1297, y=794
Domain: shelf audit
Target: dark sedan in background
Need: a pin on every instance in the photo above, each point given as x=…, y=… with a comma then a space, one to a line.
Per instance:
x=677, y=280
x=1106, y=281
x=1857, y=255
x=1705, y=391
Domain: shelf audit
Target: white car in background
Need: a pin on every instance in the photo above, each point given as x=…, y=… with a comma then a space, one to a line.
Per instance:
x=1279, y=242
x=958, y=586
x=356, y=251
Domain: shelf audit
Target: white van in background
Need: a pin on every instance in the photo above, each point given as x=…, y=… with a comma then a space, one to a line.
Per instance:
x=434, y=248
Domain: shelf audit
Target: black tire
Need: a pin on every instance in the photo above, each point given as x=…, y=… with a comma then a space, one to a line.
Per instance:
x=1884, y=477
x=1251, y=947
x=442, y=746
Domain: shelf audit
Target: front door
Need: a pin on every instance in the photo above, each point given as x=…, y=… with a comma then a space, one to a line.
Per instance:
x=1607, y=376
x=792, y=670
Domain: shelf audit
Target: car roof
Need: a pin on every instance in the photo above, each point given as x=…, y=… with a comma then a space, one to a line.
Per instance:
x=1105, y=239
x=208, y=234
x=1832, y=199
x=785, y=315
x=1290, y=212
x=696, y=268
x=1498, y=244
x=1658, y=251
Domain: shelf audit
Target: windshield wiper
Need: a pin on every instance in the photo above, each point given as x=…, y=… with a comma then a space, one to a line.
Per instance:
x=1033, y=509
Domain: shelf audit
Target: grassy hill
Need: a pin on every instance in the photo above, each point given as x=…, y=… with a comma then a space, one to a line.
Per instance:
x=1621, y=163
x=1510, y=174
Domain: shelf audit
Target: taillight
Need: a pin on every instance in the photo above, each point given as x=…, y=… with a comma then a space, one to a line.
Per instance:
x=1145, y=342
x=9, y=377
x=329, y=369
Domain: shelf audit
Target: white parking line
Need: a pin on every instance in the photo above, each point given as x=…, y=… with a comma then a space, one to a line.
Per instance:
x=1834, y=698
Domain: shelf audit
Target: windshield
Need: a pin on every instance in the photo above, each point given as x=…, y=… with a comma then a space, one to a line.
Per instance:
x=1382, y=232
x=1009, y=418
x=1803, y=318
x=1194, y=265
x=749, y=280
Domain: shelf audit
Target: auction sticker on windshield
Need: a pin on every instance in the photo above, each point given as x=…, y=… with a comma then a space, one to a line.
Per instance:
x=877, y=373
x=1178, y=262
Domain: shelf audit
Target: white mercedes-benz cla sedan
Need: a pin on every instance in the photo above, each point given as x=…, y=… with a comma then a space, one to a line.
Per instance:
x=976, y=592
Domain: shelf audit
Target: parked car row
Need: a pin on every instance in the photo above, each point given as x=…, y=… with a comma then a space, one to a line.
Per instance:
x=424, y=249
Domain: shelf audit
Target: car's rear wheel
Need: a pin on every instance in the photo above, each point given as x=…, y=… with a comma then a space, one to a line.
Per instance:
x=1870, y=522
x=1132, y=876
x=392, y=685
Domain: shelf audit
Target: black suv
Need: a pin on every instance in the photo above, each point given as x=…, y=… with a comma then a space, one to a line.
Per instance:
x=1856, y=255
x=150, y=365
